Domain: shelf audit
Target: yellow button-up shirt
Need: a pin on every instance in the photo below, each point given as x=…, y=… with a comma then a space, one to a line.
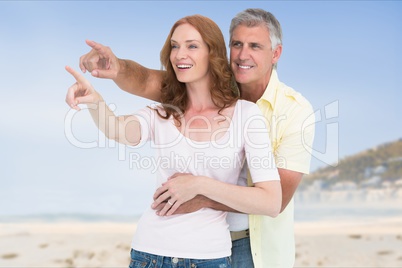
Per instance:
x=291, y=120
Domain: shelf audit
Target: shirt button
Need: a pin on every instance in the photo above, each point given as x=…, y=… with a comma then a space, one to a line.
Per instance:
x=175, y=260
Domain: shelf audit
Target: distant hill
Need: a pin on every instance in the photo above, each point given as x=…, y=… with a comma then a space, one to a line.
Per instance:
x=374, y=168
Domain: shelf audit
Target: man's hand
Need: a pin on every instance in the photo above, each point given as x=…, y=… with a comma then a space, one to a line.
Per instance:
x=100, y=61
x=127, y=74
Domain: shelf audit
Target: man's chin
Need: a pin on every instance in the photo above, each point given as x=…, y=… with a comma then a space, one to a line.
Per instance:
x=242, y=78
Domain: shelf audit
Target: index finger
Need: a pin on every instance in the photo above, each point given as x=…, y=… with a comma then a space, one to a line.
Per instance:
x=78, y=77
x=96, y=46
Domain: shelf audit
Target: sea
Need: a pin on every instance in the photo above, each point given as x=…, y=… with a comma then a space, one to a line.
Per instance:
x=311, y=212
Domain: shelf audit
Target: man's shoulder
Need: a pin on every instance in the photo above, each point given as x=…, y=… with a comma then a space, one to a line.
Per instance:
x=288, y=97
x=290, y=93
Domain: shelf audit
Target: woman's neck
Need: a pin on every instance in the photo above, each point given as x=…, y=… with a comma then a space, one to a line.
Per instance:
x=199, y=97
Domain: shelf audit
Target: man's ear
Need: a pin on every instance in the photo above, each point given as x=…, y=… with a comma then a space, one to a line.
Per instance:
x=276, y=54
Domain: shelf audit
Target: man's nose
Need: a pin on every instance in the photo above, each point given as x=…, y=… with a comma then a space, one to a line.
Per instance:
x=244, y=53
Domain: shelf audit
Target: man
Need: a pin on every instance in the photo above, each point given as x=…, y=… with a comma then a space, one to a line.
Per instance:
x=255, y=48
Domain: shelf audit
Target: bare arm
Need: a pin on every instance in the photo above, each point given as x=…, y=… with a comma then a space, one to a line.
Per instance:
x=128, y=75
x=192, y=205
x=123, y=129
x=139, y=80
x=260, y=199
x=290, y=180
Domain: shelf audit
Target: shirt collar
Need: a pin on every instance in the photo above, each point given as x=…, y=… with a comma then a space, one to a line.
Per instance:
x=270, y=91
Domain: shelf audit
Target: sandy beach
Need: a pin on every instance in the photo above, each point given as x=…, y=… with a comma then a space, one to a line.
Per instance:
x=375, y=243
x=65, y=244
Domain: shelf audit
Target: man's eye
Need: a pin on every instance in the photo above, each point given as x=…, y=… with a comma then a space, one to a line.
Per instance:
x=236, y=44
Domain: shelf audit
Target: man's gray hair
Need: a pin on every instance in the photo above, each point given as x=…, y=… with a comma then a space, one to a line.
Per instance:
x=254, y=17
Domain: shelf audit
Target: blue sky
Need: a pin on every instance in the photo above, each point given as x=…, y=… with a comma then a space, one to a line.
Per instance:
x=344, y=56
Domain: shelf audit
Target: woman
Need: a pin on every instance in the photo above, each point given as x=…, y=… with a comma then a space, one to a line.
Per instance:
x=200, y=128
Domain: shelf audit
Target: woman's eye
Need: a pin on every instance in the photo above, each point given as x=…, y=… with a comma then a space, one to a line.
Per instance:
x=192, y=46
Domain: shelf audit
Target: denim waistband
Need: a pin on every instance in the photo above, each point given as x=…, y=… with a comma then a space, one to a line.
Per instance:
x=151, y=260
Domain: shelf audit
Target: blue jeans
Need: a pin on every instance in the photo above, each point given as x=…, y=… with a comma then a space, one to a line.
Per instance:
x=241, y=253
x=145, y=260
